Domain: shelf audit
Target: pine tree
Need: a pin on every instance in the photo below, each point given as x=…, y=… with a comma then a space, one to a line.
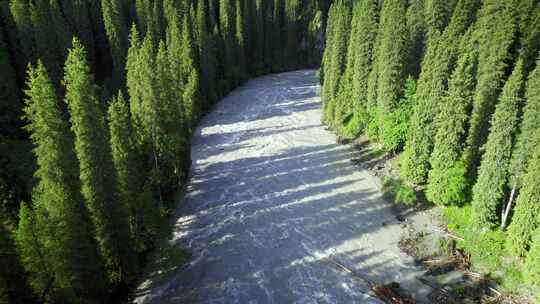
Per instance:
x=258, y=54
x=291, y=16
x=277, y=33
x=525, y=219
x=62, y=221
x=20, y=11
x=531, y=268
x=207, y=62
x=447, y=182
x=335, y=61
x=99, y=187
x=437, y=14
x=364, y=60
x=490, y=186
x=416, y=28
x=343, y=109
x=115, y=27
x=391, y=58
x=10, y=106
x=31, y=248
x=227, y=30
x=190, y=77
x=530, y=123
x=240, y=42
x=496, y=33
x=144, y=216
x=14, y=287
x=437, y=66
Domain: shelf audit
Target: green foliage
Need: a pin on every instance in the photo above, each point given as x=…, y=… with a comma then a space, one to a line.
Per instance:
x=437, y=65
x=92, y=148
x=63, y=240
x=530, y=123
x=526, y=219
x=391, y=58
x=397, y=191
x=487, y=248
x=447, y=182
x=397, y=122
x=489, y=189
x=115, y=27
x=496, y=33
x=335, y=56
x=531, y=268
x=451, y=188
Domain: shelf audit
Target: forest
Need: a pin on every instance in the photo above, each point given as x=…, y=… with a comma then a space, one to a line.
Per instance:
x=452, y=89
x=98, y=100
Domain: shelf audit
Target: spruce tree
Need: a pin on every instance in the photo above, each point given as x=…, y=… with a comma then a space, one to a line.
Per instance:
x=416, y=29
x=437, y=65
x=14, y=287
x=206, y=57
x=115, y=27
x=20, y=11
x=144, y=216
x=343, y=109
x=291, y=16
x=240, y=44
x=490, y=186
x=99, y=185
x=277, y=36
x=335, y=61
x=391, y=58
x=496, y=32
x=447, y=183
x=364, y=60
x=64, y=232
x=227, y=30
x=525, y=219
x=531, y=268
x=258, y=54
x=190, y=77
x=530, y=123
x=10, y=105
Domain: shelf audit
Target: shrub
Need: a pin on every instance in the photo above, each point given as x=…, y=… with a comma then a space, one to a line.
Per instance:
x=397, y=191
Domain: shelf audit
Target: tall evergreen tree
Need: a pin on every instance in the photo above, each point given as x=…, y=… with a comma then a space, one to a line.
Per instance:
x=207, y=62
x=190, y=76
x=335, y=60
x=364, y=60
x=64, y=242
x=227, y=30
x=10, y=106
x=437, y=66
x=115, y=27
x=525, y=143
x=490, y=186
x=99, y=186
x=525, y=219
x=531, y=268
x=277, y=33
x=144, y=216
x=447, y=183
x=391, y=58
x=240, y=42
x=20, y=11
x=343, y=109
x=496, y=32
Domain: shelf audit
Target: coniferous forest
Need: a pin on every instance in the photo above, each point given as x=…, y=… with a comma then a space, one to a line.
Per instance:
x=98, y=100
x=453, y=89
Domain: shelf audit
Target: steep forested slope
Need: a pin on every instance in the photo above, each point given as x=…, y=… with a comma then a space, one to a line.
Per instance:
x=98, y=100
x=466, y=120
